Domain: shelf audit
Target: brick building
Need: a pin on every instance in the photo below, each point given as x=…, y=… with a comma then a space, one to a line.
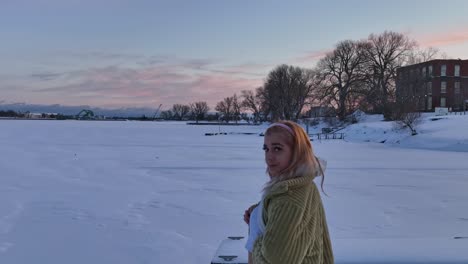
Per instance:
x=435, y=83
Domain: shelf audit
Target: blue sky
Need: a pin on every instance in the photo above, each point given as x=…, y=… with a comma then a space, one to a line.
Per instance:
x=142, y=53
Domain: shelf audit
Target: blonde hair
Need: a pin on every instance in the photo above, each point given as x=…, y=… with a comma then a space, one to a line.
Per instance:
x=303, y=160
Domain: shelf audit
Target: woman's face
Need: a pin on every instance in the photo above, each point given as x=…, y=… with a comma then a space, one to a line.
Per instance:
x=278, y=153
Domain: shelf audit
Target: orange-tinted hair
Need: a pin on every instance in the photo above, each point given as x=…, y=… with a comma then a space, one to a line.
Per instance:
x=303, y=160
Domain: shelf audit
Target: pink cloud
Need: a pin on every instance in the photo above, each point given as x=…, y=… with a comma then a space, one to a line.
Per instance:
x=117, y=86
x=248, y=69
x=214, y=88
x=313, y=56
x=444, y=38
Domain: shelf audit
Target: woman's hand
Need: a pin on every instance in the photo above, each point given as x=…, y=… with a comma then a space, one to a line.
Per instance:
x=248, y=212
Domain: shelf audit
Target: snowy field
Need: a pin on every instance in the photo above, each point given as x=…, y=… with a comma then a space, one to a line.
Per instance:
x=162, y=192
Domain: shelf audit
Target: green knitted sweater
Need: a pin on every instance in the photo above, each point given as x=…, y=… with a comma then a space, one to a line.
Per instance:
x=295, y=226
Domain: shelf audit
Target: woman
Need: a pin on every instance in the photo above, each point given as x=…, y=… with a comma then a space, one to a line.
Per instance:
x=289, y=226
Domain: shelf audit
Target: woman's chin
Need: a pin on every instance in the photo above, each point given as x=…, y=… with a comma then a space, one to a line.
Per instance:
x=273, y=174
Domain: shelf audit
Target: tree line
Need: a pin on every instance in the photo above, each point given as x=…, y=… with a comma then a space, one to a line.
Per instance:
x=230, y=109
x=356, y=74
x=10, y=113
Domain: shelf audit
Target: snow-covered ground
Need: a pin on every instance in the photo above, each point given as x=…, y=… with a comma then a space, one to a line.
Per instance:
x=163, y=192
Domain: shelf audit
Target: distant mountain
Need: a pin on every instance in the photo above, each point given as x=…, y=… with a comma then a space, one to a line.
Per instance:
x=73, y=110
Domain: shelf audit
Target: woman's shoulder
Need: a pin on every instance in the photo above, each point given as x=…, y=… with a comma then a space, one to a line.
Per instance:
x=295, y=195
x=293, y=183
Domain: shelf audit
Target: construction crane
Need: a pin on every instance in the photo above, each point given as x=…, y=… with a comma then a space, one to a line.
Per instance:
x=157, y=111
x=85, y=114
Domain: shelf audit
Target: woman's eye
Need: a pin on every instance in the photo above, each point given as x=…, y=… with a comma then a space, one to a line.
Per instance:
x=277, y=149
x=265, y=149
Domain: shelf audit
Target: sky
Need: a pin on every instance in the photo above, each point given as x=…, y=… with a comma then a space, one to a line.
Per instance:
x=142, y=53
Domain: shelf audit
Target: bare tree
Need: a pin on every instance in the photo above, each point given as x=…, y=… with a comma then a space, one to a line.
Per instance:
x=409, y=101
x=406, y=115
x=180, y=111
x=286, y=91
x=226, y=108
x=236, y=108
x=342, y=74
x=386, y=53
x=252, y=102
x=265, y=100
x=167, y=115
x=422, y=55
x=199, y=110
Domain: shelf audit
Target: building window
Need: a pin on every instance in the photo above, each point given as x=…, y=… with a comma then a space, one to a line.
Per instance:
x=443, y=87
x=443, y=70
x=423, y=71
x=429, y=70
x=429, y=88
x=457, y=70
x=429, y=102
x=457, y=87
x=442, y=102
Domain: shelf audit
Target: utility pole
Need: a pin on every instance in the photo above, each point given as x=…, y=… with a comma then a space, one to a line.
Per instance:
x=156, y=113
